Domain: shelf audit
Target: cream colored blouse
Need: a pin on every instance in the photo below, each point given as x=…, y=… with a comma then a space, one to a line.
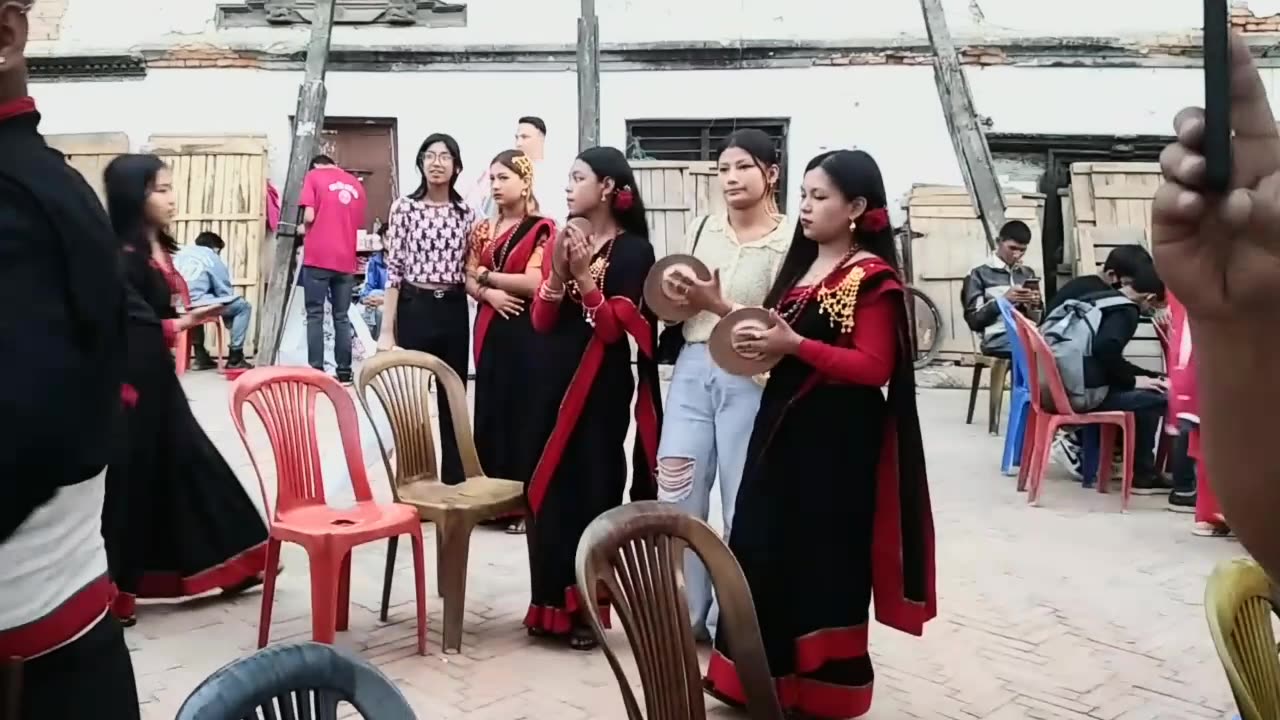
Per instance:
x=747, y=270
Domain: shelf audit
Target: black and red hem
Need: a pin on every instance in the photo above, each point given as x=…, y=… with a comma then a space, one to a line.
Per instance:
x=796, y=691
x=170, y=585
x=553, y=620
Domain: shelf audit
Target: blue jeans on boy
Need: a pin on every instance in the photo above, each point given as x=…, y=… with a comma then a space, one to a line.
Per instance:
x=236, y=316
x=708, y=422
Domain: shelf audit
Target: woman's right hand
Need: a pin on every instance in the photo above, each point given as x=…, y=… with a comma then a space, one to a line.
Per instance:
x=199, y=316
x=386, y=342
x=505, y=303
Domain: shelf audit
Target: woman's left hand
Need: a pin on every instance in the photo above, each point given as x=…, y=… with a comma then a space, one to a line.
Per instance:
x=780, y=339
x=579, y=253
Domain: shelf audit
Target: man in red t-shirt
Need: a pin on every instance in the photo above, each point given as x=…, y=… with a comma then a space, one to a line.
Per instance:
x=334, y=205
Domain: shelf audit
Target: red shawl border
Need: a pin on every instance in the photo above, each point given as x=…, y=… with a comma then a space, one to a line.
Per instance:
x=516, y=262
x=575, y=398
x=892, y=606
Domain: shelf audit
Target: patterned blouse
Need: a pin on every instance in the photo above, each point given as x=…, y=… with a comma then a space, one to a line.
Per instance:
x=427, y=244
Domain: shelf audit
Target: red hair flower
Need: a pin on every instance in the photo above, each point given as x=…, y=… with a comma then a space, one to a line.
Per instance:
x=874, y=220
x=624, y=199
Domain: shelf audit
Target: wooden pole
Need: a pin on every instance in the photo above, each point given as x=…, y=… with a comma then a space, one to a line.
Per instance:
x=308, y=121
x=970, y=143
x=588, y=77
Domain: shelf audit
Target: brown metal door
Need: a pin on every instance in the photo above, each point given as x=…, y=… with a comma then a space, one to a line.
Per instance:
x=366, y=149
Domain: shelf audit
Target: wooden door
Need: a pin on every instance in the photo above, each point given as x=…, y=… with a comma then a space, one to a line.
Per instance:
x=951, y=243
x=221, y=184
x=89, y=153
x=674, y=194
x=365, y=148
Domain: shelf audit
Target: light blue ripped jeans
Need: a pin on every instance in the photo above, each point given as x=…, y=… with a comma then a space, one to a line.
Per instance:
x=708, y=420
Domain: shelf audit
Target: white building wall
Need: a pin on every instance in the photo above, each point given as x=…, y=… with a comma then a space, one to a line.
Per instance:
x=892, y=112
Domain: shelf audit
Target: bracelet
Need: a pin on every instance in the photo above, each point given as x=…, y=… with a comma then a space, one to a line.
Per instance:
x=589, y=313
x=483, y=279
x=546, y=293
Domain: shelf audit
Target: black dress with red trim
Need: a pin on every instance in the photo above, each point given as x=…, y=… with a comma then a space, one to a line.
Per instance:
x=506, y=445
x=834, y=504
x=582, y=395
x=177, y=521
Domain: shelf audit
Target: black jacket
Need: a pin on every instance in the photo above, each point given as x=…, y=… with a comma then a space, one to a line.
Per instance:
x=978, y=295
x=1107, y=365
x=62, y=325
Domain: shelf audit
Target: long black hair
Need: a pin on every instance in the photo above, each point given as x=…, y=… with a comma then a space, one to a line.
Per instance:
x=452, y=146
x=129, y=180
x=609, y=162
x=855, y=174
x=763, y=152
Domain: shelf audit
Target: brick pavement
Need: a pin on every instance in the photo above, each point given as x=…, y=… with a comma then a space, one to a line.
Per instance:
x=1070, y=610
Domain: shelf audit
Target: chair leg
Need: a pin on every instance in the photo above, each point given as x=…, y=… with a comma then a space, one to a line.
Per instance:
x=344, y=594
x=419, y=587
x=1045, y=429
x=441, y=560
x=1029, y=440
x=324, y=596
x=1126, y=481
x=268, y=591
x=388, y=575
x=973, y=392
x=1106, y=450
x=456, y=541
x=1015, y=437
x=996, y=395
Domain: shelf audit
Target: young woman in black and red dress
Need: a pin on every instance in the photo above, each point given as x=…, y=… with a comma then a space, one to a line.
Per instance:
x=177, y=522
x=582, y=388
x=834, y=504
x=504, y=270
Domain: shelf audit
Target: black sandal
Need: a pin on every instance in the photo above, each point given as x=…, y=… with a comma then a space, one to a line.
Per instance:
x=536, y=632
x=516, y=528
x=582, y=638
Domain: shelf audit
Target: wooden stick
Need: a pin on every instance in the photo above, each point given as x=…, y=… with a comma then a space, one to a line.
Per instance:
x=588, y=77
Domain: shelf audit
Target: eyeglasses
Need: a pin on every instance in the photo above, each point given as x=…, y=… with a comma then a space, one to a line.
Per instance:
x=443, y=157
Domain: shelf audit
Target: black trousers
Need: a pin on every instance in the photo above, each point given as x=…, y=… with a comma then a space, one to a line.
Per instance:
x=438, y=322
x=92, y=677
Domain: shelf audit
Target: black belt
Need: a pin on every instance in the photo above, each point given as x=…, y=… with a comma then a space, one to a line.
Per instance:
x=438, y=293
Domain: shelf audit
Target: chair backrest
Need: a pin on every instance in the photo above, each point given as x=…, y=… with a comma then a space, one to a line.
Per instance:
x=1239, y=600
x=400, y=379
x=285, y=400
x=1017, y=348
x=636, y=552
x=1042, y=370
x=298, y=680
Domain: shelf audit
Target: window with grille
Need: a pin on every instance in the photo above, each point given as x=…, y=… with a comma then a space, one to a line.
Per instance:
x=697, y=140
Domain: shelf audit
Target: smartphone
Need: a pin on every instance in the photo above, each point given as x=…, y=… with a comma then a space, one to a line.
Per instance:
x=1217, y=97
x=1032, y=283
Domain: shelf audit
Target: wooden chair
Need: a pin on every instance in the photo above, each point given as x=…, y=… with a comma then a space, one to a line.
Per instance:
x=1000, y=368
x=636, y=552
x=1239, y=600
x=400, y=379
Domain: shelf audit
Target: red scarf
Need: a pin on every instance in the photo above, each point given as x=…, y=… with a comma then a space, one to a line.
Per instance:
x=14, y=108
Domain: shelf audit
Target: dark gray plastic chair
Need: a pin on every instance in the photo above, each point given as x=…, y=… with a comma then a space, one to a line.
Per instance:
x=298, y=681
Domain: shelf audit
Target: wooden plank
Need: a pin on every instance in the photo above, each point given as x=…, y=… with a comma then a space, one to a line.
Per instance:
x=588, y=70
x=207, y=144
x=1123, y=192
x=108, y=143
x=967, y=136
x=1149, y=168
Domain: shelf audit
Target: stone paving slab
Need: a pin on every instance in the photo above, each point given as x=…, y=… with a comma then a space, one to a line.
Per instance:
x=1070, y=610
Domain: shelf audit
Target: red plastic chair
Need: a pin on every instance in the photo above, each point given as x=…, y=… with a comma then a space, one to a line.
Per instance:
x=285, y=400
x=182, y=344
x=1046, y=420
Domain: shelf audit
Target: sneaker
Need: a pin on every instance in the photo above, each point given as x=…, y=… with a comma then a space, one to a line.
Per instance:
x=1067, y=455
x=236, y=361
x=1184, y=503
x=1208, y=529
x=344, y=378
x=202, y=361
x=1150, y=484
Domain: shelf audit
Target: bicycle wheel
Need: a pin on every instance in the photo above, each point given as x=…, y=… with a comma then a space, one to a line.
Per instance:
x=926, y=320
